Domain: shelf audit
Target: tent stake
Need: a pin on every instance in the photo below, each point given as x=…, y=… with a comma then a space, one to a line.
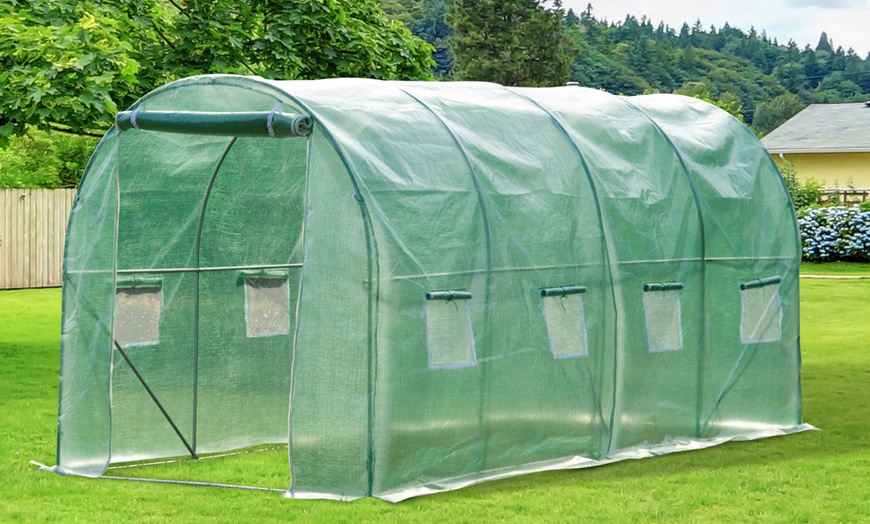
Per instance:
x=154, y=398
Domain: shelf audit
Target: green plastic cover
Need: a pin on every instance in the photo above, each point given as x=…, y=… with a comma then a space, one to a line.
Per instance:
x=405, y=201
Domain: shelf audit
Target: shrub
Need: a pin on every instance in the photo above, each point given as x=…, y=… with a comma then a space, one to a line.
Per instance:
x=865, y=206
x=41, y=160
x=802, y=195
x=835, y=233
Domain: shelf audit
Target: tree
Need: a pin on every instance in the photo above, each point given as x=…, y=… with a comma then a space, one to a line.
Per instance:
x=64, y=64
x=727, y=101
x=339, y=38
x=792, y=76
x=36, y=159
x=571, y=19
x=71, y=65
x=405, y=11
x=772, y=114
x=586, y=17
x=838, y=83
x=824, y=43
x=433, y=28
x=513, y=43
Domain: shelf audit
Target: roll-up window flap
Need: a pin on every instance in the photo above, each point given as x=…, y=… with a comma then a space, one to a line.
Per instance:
x=761, y=282
x=263, y=273
x=448, y=295
x=139, y=281
x=662, y=286
x=562, y=291
x=264, y=124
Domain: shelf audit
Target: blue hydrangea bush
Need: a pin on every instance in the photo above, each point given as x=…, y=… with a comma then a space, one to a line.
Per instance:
x=835, y=233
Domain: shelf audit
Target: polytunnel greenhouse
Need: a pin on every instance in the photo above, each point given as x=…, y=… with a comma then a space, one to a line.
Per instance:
x=417, y=286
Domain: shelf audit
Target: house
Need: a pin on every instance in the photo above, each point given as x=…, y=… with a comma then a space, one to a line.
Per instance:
x=828, y=142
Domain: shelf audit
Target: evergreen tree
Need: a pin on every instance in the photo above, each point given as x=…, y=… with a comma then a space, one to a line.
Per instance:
x=433, y=28
x=406, y=11
x=586, y=18
x=513, y=43
x=824, y=43
x=772, y=114
x=792, y=76
x=571, y=19
x=812, y=67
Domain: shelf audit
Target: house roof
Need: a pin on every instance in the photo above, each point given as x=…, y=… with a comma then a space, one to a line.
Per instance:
x=823, y=128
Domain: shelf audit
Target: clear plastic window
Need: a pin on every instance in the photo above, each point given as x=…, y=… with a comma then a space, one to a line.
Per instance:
x=761, y=318
x=449, y=337
x=267, y=306
x=566, y=325
x=661, y=306
x=137, y=316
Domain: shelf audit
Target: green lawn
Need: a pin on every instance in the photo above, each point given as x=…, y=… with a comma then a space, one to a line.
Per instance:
x=835, y=268
x=817, y=476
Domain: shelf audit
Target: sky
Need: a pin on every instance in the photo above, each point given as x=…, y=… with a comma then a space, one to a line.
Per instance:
x=847, y=22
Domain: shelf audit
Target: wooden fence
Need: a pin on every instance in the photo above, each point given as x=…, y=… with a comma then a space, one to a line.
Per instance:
x=32, y=231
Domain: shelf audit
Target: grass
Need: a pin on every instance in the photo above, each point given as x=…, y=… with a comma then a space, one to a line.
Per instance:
x=835, y=268
x=816, y=476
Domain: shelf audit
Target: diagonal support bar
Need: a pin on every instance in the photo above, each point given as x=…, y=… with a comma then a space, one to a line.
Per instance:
x=154, y=398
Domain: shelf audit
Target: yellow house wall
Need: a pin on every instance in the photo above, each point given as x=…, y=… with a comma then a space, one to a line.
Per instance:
x=833, y=170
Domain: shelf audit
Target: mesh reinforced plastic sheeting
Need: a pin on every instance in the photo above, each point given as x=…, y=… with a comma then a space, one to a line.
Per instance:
x=420, y=286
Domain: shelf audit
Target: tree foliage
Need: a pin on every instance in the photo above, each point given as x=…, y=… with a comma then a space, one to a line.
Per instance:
x=66, y=63
x=71, y=64
x=634, y=56
x=39, y=159
x=513, y=42
x=727, y=101
x=773, y=113
x=803, y=195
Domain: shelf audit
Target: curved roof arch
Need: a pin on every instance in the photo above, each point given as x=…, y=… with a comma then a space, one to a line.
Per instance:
x=398, y=134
